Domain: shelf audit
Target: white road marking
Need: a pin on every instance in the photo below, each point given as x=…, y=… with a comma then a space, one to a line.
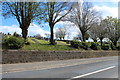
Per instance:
x=92, y=72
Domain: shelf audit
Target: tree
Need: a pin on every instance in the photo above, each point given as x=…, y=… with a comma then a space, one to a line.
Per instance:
x=102, y=30
x=113, y=26
x=8, y=33
x=61, y=33
x=93, y=32
x=24, y=12
x=83, y=17
x=53, y=13
x=79, y=36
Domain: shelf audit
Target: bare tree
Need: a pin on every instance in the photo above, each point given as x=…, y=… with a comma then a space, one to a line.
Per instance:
x=93, y=32
x=24, y=12
x=79, y=36
x=61, y=33
x=83, y=17
x=54, y=12
x=102, y=30
x=113, y=26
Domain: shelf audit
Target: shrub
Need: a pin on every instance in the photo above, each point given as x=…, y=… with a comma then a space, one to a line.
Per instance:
x=118, y=47
x=13, y=42
x=85, y=45
x=68, y=42
x=94, y=46
x=27, y=43
x=105, y=47
x=106, y=42
x=113, y=47
x=99, y=47
x=54, y=42
x=75, y=44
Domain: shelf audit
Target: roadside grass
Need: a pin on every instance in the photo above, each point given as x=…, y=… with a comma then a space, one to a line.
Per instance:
x=42, y=41
x=29, y=40
x=46, y=42
x=47, y=47
x=62, y=43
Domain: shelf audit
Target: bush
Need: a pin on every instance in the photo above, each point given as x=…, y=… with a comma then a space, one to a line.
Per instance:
x=105, y=47
x=13, y=42
x=75, y=44
x=113, y=47
x=53, y=42
x=27, y=43
x=68, y=42
x=94, y=46
x=106, y=42
x=85, y=45
x=118, y=47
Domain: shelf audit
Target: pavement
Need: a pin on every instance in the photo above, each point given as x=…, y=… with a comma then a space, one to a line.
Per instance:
x=104, y=67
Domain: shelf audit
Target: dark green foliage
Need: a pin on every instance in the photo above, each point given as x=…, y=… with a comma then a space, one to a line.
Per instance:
x=85, y=45
x=113, y=47
x=105, y=47
x=94, y=46
x=27, y=43
x=13, y=42
x=77, y=44
x=68, y=42
x=118, y=47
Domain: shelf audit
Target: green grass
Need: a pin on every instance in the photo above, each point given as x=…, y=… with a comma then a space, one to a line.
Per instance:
x=46, y=42
x=47, y=47
x=61, y=43
x=29, y=40
x=42, y=41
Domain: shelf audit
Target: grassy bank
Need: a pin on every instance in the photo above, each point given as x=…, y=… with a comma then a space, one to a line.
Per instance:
x=44, y=47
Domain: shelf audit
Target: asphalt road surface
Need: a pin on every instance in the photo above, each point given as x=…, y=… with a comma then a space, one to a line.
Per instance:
x=101, y=69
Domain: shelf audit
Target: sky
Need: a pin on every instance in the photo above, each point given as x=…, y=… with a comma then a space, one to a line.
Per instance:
x=11, y=25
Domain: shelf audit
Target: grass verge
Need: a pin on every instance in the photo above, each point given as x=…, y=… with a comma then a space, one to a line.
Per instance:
x=44, y=47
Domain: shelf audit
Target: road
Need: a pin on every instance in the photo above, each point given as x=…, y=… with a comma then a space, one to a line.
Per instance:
x=108, y=68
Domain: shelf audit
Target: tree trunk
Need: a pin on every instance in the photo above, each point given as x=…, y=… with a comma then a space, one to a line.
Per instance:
x=115, y=43
x=63, y=38
x=60, y=38
x=101, y=41
x=52, y=42
x=94, y=40
x=83, y=36
x=24, y=33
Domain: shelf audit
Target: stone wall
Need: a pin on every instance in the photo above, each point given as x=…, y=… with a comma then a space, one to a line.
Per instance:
x=20, y=56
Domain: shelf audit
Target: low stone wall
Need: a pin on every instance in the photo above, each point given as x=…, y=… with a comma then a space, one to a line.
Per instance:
x=19, y=56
